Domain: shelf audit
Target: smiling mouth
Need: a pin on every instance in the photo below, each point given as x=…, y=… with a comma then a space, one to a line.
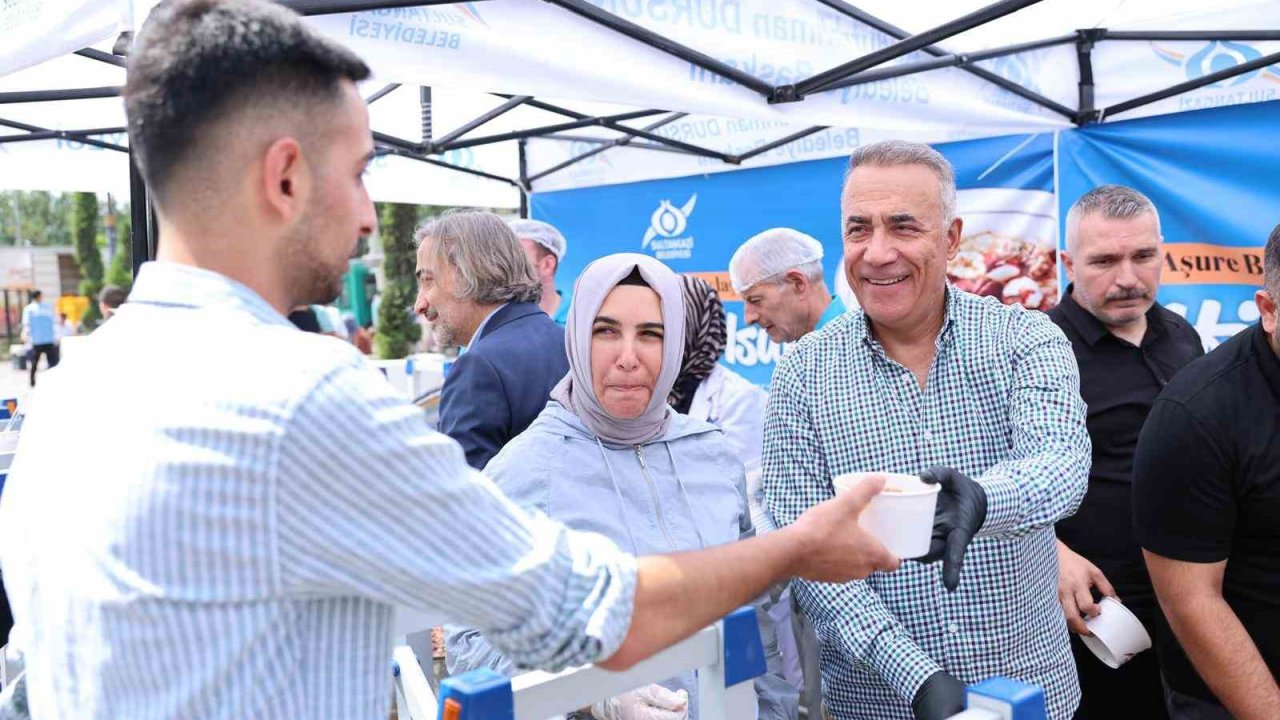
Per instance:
x=886, y=281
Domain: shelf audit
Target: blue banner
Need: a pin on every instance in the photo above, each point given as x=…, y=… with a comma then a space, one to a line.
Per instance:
x=1214, y=176
x=694, y=224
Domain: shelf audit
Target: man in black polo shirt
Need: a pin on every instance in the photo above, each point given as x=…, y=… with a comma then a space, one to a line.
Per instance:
x=1128, y=347
x=1207, y=512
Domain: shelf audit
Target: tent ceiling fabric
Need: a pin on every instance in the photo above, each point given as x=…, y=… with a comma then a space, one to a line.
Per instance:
x=468, y=51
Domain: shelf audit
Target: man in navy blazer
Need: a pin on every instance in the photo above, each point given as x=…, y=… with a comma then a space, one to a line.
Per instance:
x=478, y=290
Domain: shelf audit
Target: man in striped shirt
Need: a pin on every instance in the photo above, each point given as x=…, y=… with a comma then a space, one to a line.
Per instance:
x=239, y=513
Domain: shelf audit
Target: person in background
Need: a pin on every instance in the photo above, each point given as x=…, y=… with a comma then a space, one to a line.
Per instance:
x=977, y=396
x=477, y=289
x=708, y=391
x=609, y=456
x=1206, y=510
x=237, y=548
x=305, y=319
x=1128, y=347
x=64, y=327
x=778, y=273
x=39, y=331
x=545, y=248
x=110, y=299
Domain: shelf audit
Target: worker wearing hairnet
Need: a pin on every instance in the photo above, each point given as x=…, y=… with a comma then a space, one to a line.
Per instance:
x=778, y=274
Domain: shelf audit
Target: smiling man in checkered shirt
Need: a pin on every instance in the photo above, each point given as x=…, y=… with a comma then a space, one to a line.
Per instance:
x=981, y=396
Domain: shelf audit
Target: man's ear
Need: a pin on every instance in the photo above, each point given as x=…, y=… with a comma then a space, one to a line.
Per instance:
x=1069, y=264
x=798, y=281
x=954, y=234
x=286, y=179
x=1267, y=309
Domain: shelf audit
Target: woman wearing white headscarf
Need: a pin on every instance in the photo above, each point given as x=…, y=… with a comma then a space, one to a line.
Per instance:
x=608, y=455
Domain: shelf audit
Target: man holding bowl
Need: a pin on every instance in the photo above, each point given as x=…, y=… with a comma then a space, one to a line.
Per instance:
x=965, y=392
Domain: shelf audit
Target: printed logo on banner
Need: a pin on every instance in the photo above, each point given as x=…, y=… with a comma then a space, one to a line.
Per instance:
x=461, y=157
x=424, y=26
x=1217, y=56
x=1021, y=68
x=665, y=236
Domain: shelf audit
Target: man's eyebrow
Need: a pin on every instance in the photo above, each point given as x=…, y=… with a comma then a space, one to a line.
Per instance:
x=902, y=217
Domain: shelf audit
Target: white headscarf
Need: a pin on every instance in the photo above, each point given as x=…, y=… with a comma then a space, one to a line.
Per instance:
x=577, y=391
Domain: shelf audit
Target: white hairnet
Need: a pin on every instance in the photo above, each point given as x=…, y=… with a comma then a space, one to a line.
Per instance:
x=770, y=253
x=543, y=234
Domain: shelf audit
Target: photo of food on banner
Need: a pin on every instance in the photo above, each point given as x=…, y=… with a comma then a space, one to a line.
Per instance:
x=1008, y=250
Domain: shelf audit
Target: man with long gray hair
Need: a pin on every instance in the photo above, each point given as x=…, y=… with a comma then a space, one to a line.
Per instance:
x=478, y=290
x=976, y=396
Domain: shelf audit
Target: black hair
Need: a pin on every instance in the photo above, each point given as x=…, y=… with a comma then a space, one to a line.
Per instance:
x=635, y=278
x=195, y=62
x=36, y=294
x=112, y=296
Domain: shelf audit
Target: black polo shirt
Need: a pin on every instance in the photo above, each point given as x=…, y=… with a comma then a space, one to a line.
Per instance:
x=1206, y=488
x=1118, y=381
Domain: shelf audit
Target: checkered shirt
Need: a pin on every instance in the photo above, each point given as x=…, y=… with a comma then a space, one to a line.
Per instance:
x=1002, y=406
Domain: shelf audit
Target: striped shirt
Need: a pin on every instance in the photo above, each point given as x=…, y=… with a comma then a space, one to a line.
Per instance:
x=212, y=515
x=1002, y=406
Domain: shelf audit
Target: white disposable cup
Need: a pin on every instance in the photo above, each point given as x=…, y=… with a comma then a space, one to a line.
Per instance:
x=1118, y=634
x=901, y=516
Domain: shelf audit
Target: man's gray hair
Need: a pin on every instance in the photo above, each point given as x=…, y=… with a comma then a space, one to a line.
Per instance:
x=1115, y=202
x=893, y=153
x=1271, y=264
x=487, y=259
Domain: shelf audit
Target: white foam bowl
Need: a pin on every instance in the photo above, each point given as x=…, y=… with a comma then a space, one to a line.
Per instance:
x=1118, y=634
x=901, y=516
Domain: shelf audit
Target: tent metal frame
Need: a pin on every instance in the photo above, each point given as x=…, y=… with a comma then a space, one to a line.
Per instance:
x=868, y=68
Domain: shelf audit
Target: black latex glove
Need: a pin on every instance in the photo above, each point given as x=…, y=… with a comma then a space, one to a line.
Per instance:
x=962, y=508
x=940, y=697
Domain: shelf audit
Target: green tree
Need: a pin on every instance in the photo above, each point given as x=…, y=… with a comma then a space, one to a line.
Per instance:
x=34, y=218
x=397, y=329
x=120, y=273
x=84, y=223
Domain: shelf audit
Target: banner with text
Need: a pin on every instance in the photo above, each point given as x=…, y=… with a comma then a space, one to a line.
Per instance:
x=694, y=224
x=1214, y=176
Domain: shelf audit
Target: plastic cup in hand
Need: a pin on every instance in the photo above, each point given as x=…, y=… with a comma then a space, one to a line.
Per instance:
x=1118, y=634
x=901, y=516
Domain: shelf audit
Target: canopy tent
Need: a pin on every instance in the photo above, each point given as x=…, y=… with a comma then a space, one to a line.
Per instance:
x=481, y=103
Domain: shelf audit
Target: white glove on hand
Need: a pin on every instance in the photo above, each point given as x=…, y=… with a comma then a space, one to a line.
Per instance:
x=652, y=702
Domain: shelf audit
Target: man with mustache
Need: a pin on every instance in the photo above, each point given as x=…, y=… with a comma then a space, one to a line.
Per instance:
x=1128, y=347
x=1206, y=509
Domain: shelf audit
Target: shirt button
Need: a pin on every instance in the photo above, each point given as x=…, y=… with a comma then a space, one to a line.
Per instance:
x=954, y=628
x=927, y=435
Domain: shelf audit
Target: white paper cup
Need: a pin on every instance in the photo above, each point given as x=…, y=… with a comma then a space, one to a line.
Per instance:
x=901, y=516
x=1118, y=635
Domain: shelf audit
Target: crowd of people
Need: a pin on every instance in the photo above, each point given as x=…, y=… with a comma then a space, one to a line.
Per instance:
x=601, y=486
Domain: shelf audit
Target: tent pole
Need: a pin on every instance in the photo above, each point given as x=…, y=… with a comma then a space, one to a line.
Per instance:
x=326, y=7
x=894, y=31
x=142, y=220
x=961, y=60
x=25, y=96
x=1087, y=113
x=905, y=46
x=424, y=106
x=524, y=177
x=100, y=56
x=511, y=104
x=37, y=129
x=565, y=137
x=1174, y=35
x=440, y=163
x=385, y=91
x=608, y=144
x=781, y=141
x=1180, y=88
x=532, y=132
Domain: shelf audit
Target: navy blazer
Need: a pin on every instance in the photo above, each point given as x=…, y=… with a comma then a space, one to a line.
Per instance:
x=497, y=388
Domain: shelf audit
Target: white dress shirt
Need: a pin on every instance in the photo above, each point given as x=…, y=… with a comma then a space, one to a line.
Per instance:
x=212, y=514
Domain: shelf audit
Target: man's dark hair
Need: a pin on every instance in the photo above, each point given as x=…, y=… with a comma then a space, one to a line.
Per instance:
x=36, y=295
x=195, y=62
x=1271, y=264
x=112, y=296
